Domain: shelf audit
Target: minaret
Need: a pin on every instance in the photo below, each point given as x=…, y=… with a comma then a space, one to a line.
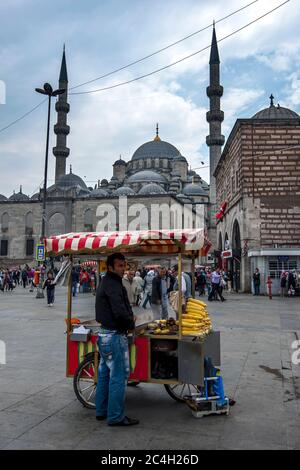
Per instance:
x=214, y=116
x=61, y=129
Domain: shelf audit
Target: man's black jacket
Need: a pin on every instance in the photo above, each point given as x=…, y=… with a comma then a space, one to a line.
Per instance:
x=113, y=309
x=156, y=290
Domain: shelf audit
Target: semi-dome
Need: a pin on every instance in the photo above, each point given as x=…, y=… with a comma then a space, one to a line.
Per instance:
x=98, y=192
x=35, y=197
x=70, y=181
x=3, y=198
x=152, y=188
x=275, y=112
x=155, y=149
x=124, y=191
x=193, y=189
x=146, y=176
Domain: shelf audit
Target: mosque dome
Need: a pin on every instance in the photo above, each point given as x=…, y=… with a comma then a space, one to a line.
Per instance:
x=156, y=148
x=275, y=112
x=124, y=191
x=192, y=189
x=147, y=176
x=19, y=196
x=119, y=162
x=70, y=181
x=152, y=188
x=3, y=198
x=99, y=192
x=35, y=197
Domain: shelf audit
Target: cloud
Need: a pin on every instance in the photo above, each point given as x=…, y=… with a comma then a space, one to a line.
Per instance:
x=99, y=37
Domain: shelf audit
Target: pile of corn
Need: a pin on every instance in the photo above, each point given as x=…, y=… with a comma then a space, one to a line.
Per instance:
x=195, y=319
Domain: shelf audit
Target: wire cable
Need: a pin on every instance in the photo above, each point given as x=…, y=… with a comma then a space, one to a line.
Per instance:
x=180, y=60
x=23, y=116
x=163, y=48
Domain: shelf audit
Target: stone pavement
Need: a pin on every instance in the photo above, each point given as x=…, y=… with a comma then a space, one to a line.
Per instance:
x=38, y=408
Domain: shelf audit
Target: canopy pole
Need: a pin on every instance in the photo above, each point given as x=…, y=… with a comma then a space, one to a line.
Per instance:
x=193, y=275
x=69, y=314
x=180, y=292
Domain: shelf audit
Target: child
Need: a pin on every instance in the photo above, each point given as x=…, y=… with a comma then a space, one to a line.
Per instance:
x=50, y=285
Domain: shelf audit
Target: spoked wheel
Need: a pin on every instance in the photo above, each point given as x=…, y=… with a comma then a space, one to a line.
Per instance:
x=84, y=384
x=178, y=391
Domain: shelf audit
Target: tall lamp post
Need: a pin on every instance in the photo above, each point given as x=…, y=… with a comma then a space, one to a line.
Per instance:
x=47, y=90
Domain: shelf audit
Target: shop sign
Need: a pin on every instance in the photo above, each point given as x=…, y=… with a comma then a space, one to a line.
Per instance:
x=227, y=254
x=40, y=252
x=283, y=259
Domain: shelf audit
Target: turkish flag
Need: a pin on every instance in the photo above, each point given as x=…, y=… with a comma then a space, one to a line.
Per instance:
x=220, y=214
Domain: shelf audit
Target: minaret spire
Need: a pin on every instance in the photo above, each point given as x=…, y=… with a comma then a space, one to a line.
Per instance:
x=61, y=129
x=215, y=140
x=214, y=116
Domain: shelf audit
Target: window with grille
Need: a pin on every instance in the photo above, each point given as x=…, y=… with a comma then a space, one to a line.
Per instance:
x=4, y=248
x=29, y=247
x=276, y=267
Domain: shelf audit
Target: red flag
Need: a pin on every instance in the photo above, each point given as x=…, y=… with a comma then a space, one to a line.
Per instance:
x=220, y=214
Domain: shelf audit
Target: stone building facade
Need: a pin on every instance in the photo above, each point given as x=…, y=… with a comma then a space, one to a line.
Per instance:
x=258, y=175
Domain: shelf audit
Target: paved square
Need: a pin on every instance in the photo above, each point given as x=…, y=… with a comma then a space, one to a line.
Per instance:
x=38, y=408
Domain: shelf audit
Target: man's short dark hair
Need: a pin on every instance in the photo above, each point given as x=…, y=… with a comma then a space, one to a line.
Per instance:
x=111, y=259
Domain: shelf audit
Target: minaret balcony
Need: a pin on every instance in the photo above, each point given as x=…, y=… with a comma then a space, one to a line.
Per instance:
x=61, y=129
x=215, y=115
x=215, y=140
x=62, y=106
x=214, y=90
x=61, y=151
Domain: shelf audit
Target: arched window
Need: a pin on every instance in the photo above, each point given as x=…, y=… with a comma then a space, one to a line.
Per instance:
x=57, y=224
x=236, y=236
x=29, y=224
x=88, y=221
x=220, y=245
x=4, y=222
x=226, y=242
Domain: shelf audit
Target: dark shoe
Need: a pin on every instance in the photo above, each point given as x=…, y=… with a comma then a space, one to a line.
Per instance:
x=101, y=418
x=223, y=300
x=125, y=422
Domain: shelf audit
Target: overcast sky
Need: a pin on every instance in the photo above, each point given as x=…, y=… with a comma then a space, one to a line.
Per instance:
x=101, y=35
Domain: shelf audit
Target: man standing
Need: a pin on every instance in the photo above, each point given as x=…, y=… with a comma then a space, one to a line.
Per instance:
x=216, y=283
x=159, y=298
x=256, y=281
x=114, y=312
x=130, y=285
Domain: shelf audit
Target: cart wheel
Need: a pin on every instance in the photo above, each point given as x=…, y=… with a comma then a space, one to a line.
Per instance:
x=179, y=391
x=83, y=382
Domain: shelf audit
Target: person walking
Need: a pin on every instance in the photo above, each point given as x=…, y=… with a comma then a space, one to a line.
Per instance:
x=283, y=281
x=114, y=313
x=49, y=284
x=256, y=281
x=75, y=280
x=148, y=288
x=24, y=276
x=201, y=282
x=139, y=287
x=159, y=298
x=216, y=282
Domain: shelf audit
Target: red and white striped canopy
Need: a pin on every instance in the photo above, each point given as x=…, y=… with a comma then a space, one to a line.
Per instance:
x=142, y=241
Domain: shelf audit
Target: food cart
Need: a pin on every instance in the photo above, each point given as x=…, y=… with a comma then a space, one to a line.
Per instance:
x=174, y=360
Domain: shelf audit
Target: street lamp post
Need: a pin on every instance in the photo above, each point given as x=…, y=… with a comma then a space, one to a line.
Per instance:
x=48, y=91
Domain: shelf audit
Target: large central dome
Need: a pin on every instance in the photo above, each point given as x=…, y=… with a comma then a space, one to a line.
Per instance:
x=155, y=149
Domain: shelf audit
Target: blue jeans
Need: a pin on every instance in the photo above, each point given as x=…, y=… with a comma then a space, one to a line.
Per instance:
x=50, y=296
x=256, y=289
x=113, y=375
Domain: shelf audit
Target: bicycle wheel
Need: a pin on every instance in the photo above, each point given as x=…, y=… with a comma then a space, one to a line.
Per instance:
x=178, y=391
x=84, y=384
